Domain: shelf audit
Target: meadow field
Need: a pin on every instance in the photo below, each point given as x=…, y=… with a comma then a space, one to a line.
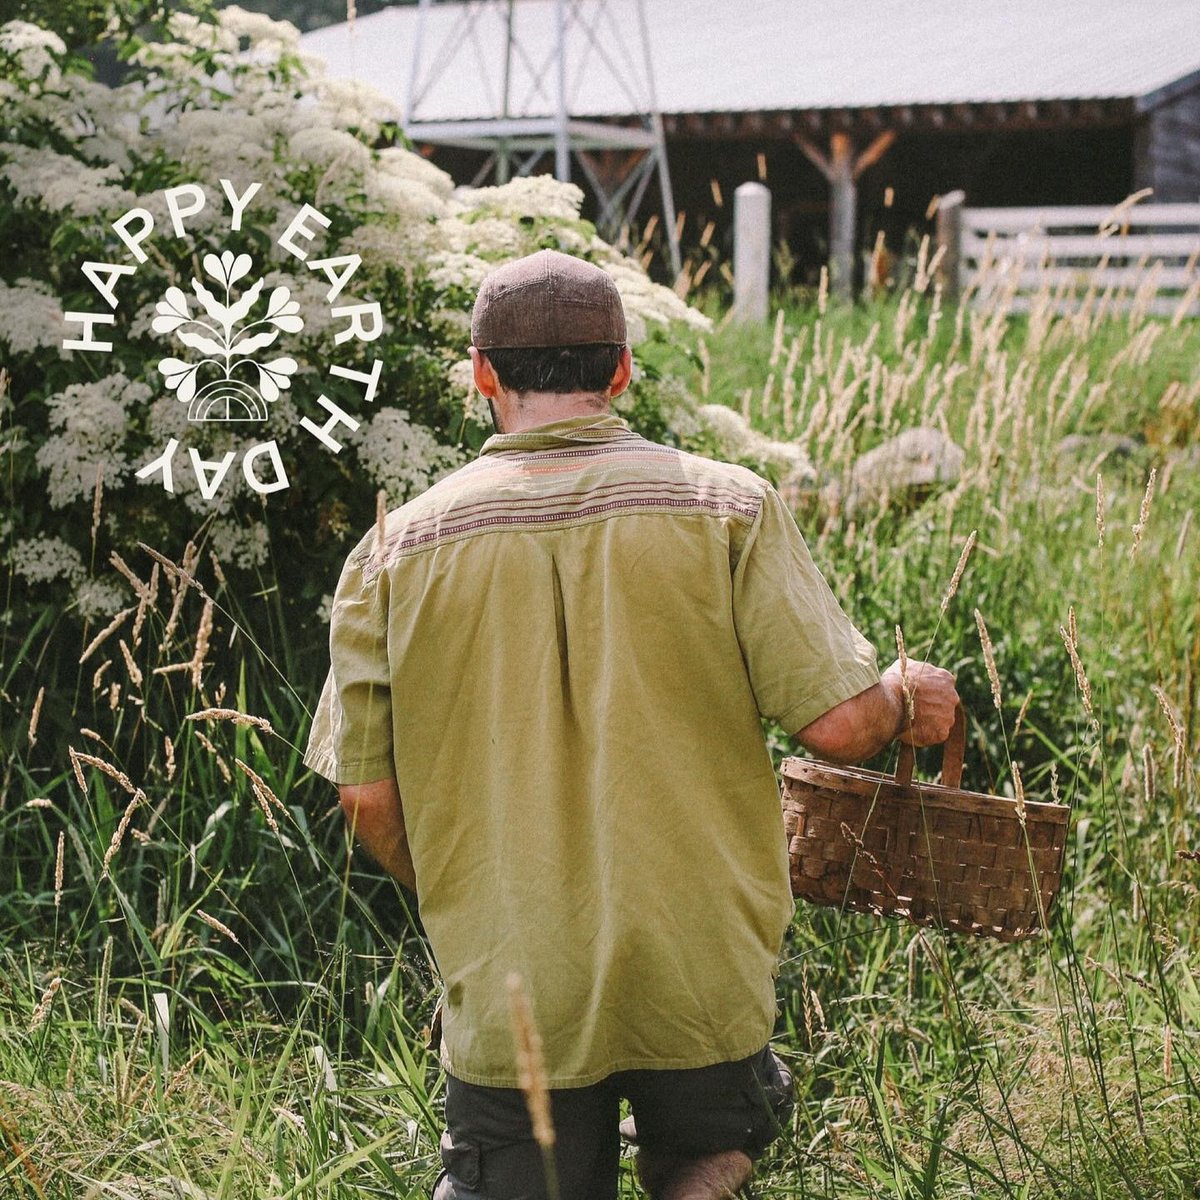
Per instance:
x=206, y=994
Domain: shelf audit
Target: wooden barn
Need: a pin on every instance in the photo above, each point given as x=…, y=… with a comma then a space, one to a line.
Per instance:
x=870, y=109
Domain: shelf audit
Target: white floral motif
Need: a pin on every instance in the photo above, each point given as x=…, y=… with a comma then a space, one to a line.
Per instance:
x=226, y=341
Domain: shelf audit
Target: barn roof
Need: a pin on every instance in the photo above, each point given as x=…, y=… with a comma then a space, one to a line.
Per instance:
x=721, y=56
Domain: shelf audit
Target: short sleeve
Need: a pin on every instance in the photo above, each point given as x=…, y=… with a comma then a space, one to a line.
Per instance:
x=351, y=737
x=801, y=651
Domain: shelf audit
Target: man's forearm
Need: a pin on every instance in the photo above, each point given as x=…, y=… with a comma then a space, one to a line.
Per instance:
x=376, y=817
x=859, y=727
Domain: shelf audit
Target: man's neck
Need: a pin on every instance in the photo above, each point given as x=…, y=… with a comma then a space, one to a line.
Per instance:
x=516, y=414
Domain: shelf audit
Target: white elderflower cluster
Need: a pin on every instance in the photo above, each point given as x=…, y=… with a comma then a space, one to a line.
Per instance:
x=739, y=440
x=34, y=49
x=393, y=243
x=203, y=35
x=44, y=179
x=399, y=163
x=99, y=598
x=89, y=422
x=402, y=195
x=257, y=27
x=449, y=270
x=244, y=546
x=234, y=144
x=46, y=559
x=488, y=237
x=327, y=148
x=646, y=301
x=400, y=457
x=352, y=104
x=526, y=196
x=30, y=318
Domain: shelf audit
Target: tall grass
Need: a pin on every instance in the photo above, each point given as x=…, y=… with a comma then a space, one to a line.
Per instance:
x=209, y=994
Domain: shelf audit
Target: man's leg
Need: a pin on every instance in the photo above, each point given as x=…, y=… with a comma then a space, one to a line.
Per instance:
x=698, y=1131
x=713, y=1177
x=489, y=1153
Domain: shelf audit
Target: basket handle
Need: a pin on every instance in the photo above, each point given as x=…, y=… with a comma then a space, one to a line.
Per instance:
x=952, y=754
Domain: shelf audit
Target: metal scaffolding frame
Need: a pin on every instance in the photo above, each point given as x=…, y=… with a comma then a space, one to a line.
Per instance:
x=618, y=159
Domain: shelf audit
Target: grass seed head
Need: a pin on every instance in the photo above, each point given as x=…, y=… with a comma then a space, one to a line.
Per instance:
x=905, y=685
x=219, y=926
x=531, y=1070
x=956, y=578
x=38, y=1019
x=58, y=869
x=119, y=833
x=989, y=658
x=1144, y=513
x=203, y=635
x=231, y=714
x=36, y=716
x=105, y=633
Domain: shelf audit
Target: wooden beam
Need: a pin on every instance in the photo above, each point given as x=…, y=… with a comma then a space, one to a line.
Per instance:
x=874, y=152
x=814, y=156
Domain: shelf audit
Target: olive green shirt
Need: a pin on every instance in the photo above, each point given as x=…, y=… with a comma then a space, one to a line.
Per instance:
x=562, y=652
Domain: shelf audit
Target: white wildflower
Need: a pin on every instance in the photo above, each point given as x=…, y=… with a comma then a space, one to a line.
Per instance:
x=488, y=237
x=740, y=441
x=649, y=301
x=257, y=26
x=401, y=195
x=43, y=560
x=224, y=141
x=325, y=609
x=204, y=35
x=352, y=104
x=99, y=598
x=458, y=270
x=527, y=196
x=55, y=183
x=245, y=546
x=391, y=244
x=90, y=421
x=323, y=148
x=35, y=49
x=30, y=317
x=400, y=457
x=400, y=163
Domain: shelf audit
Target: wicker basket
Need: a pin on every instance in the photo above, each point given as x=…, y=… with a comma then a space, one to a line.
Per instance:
x=932, y=853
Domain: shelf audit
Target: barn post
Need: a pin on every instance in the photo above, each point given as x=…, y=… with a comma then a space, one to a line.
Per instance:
x=843, y=216
x=949, y=240
x=751, y=251
x=842, y=169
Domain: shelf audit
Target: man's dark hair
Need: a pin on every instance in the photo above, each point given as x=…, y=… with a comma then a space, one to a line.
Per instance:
x=555, y=368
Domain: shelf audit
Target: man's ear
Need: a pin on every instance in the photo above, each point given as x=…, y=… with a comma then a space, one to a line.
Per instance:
x=622, y=375
x=486, y=379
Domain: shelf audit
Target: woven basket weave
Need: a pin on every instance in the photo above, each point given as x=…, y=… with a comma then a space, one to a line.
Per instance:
x=932, y=853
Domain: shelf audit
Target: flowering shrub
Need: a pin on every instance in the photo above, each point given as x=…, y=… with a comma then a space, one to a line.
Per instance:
x=164, y=218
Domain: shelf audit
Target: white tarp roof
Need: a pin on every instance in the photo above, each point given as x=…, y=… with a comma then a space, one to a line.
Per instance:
x=747, y=55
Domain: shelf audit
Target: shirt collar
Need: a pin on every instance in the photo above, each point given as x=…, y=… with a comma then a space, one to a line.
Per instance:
x=568, y=432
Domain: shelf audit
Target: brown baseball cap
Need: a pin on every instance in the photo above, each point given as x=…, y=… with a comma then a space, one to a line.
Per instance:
x=547, y=299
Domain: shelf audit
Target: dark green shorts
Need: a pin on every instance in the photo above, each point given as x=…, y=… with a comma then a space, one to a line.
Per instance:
x=489, y=1154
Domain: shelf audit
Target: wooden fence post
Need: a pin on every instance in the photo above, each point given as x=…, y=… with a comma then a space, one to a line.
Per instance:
x=751, y=251
x=949, y=241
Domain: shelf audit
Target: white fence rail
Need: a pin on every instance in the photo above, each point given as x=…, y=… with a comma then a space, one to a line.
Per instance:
x=1136, y=256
